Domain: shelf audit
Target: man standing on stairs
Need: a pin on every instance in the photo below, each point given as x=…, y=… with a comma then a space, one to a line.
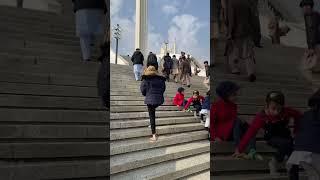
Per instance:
x=89, y=23
x=311, y=63
x=240, y=36
x=152, y=60
x=137, y=61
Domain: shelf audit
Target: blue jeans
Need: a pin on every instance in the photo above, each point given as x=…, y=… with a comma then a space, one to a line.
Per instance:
x=137, y=69
x=239, y=129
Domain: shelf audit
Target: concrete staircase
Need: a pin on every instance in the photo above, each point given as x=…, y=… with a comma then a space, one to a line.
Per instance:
x=182, y=151
x=52, y=123
x=277, y=69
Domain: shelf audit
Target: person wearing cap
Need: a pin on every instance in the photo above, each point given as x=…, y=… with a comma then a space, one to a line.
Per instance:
x=153, y=87
x=274, y=119
x=137, y=61
x=307, y=147
x=311, y=63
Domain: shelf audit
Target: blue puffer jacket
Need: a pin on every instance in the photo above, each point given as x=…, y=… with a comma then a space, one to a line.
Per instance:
x=153, y=88
x=308, y=133
x=206, y=103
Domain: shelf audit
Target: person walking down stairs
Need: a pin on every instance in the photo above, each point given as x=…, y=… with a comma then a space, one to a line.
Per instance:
x=90, y=17
x=175, y=68
x=153, y=87
x=137, y=61
x=185, y=71
x=167, y=66
x=240, y=37
x=311, y=62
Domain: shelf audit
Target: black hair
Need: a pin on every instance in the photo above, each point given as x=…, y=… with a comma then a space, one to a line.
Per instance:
x=226, y=88
x=275, y=96
x=180, y=89
x=206, y=62
x=306, y=3
x=208, y=93
x=196, y=92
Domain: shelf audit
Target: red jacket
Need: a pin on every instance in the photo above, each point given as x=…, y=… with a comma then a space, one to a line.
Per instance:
x=190, y=100
x=222, y=117
x=262, y=119
x=178, y=99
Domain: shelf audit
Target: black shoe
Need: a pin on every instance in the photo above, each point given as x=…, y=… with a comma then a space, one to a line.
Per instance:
x=252, y=78
x=235, y=73
x=188, y=86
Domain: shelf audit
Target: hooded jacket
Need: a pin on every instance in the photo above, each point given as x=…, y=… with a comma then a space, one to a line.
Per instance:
x=137, y=58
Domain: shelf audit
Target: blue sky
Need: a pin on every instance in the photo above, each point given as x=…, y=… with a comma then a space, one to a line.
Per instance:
x=187, y=21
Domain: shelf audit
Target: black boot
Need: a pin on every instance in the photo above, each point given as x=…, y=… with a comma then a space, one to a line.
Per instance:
x=252, y=78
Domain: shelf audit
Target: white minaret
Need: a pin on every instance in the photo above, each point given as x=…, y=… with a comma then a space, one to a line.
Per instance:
x=174, y=47
x=141, y=34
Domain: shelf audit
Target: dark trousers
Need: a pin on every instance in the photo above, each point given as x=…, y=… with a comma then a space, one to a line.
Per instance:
x=19, y=3
x=184, y=103
x=284, y=147
x=198, y=107
x=167, y=73
x=239, y=129
x=152, y=116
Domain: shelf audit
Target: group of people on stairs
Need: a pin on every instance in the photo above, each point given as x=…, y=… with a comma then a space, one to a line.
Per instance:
x=179, y=69
x=291, y=133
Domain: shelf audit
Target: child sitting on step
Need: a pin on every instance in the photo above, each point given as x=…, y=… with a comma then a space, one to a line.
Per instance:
x=274, y=119
x=205, y=111
x=307, y=147
x=178, y=99
x=224, y=122
x=196, y=100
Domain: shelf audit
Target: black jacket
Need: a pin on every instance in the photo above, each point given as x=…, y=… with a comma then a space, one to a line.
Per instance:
x=309, y=132
x=167, y=62
x=137, y=58
x=89, y=4
x=312, y=23
x=153, y=88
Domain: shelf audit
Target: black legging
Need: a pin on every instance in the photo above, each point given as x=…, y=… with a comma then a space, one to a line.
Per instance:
x=152, y=115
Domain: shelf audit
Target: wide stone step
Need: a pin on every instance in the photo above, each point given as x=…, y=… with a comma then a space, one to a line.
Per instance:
x=49, y=68
x=31, y=150
x=228, y=148
x=122, y=124
x=129, y=161
x=53, y=132
x=13, y=42
x=255, y=177
x=41, y=39
x=28, y=60
x=120, y=109
x=68, y=27
x=55, y=169
x=116, y=134
x=142, y=143
x=20, y=116
x=202, y=175
x=136, y=115
x=49, y=79
x=169, y=170
x=221, y=164
x=35, y=101
x=33, y=14
x=47, y=90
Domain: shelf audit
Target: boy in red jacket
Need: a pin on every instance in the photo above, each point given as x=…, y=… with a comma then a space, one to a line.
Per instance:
x=274, y=119
x=224, y=122
x=196, y=100
x=178, y=99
